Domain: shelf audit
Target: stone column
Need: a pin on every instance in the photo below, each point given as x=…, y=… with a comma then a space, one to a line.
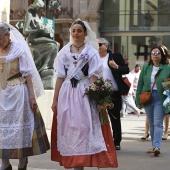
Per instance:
x=3, y=16
x=93, y=19
x=83, y=16
x=64, y=25
x=94, y=22
x=65, y=33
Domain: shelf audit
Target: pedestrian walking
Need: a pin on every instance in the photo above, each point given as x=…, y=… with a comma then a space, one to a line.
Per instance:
x=127, y=100
x=152, y=75
x=78, y=140
x=113, y=69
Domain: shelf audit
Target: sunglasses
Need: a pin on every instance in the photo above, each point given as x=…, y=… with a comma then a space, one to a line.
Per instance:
x=100, y=44
x=155, y=53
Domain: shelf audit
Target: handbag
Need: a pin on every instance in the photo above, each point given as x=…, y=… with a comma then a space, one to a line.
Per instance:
x=122, y=83
x=146, y=97
x=126, y=80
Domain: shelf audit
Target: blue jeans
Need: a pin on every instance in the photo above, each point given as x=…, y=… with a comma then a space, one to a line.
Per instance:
x=155, y=114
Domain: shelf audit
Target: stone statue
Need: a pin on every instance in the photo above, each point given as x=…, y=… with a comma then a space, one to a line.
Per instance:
x=54, y=5
x=44, y=49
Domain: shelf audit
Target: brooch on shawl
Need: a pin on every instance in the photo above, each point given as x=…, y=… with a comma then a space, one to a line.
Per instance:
x=84, y=57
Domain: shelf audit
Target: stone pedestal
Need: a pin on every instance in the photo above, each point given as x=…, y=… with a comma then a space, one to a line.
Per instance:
x=49, y=82
x=44, y=103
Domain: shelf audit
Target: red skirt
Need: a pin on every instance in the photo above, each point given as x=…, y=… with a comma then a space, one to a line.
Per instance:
x=104, y=159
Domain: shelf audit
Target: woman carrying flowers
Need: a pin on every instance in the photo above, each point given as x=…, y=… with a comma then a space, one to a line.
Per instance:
x=158, y=70
x=77, y=139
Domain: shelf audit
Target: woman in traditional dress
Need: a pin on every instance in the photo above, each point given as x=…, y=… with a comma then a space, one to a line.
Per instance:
x=22, y=130
x=78, y=139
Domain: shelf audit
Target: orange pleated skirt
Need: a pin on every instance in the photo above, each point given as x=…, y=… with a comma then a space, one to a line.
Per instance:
x=104, y=159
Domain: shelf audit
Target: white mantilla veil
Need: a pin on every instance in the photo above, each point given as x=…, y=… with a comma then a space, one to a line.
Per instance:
x=91, y=35
x=16, y=36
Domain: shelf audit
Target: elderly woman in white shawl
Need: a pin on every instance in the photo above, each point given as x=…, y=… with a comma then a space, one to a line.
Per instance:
x=22, y=131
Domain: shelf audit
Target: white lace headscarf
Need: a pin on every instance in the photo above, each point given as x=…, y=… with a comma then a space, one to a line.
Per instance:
x=16, y=36
x=91, y=35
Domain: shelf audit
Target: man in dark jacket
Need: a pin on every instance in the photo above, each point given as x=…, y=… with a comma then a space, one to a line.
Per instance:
x=118, y=68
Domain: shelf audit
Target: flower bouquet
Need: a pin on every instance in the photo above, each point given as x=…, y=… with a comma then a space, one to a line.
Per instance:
x=100, y=91
x=166, y=86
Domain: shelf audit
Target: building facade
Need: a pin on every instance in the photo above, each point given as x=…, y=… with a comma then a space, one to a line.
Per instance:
x=131, y=26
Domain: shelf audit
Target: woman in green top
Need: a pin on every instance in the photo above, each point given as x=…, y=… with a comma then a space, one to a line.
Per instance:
x=158, y=65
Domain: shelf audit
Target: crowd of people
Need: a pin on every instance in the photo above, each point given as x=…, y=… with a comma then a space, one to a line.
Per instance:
x=78, y=139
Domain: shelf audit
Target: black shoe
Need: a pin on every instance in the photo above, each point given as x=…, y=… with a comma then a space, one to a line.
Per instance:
x=8, y=168
x=142, y=113
x=132, y=113
x=145, y=137
x=164, y=137
x=157, y=151
x=118, y=147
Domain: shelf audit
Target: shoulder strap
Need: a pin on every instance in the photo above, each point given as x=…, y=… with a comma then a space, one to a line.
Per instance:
x=155, y=79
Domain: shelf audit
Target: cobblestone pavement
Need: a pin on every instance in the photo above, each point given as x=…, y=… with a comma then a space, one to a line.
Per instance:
x=132, y=155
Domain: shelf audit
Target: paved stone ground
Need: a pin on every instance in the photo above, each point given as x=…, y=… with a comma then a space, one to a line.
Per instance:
x=132, y=155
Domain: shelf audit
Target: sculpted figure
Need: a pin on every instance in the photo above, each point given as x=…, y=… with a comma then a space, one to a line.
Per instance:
x=44, y=49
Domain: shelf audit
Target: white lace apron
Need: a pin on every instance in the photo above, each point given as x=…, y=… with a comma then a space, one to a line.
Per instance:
x=16, y=117
x=79, y=128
